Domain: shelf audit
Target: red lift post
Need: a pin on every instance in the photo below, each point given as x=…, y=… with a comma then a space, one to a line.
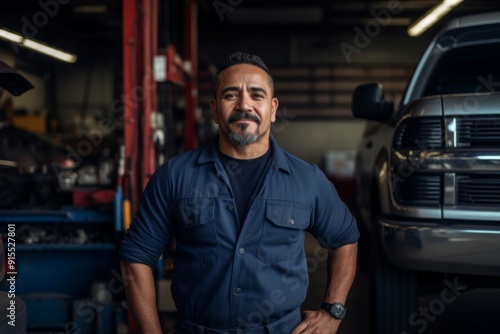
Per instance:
x=140, y=46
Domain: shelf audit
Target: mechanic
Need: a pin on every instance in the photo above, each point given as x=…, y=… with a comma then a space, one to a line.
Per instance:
x=238, y=208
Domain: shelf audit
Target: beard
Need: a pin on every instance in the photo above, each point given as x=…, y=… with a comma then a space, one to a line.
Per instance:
x=243, y=137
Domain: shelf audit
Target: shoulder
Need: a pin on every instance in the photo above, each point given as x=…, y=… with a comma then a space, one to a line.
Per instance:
x=179, y=164
x=187, y=158
x=298, y=165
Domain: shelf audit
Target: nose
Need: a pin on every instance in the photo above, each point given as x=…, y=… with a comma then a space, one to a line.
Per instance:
x=244, y=102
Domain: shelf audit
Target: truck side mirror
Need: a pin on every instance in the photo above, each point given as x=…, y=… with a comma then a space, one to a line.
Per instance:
x=368, y=103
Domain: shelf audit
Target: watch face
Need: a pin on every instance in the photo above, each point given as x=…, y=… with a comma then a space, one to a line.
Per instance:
x=338, y=311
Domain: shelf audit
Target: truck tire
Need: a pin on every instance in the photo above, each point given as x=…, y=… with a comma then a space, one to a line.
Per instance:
x=393, y=293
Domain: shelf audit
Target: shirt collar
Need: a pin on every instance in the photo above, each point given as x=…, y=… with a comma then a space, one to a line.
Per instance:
x=209, y=154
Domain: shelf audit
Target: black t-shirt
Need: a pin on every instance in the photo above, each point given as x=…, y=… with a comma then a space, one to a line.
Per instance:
x=245, y=177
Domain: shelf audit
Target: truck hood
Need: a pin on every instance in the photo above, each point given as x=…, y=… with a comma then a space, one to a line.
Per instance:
x=471, y=104
x=460, y=105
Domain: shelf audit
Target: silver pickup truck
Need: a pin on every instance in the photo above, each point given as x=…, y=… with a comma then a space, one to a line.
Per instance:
x=428, y=176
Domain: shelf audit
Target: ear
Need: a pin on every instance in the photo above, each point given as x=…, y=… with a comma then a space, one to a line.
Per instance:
x=274, y=107
x=213, y=110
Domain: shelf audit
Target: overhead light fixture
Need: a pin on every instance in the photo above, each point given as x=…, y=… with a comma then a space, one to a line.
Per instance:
x=90, y=9
x=432, y=16
x=48, y=50
x=10, y=36
x=37, y=46
x=273, y=16
x=394, y=21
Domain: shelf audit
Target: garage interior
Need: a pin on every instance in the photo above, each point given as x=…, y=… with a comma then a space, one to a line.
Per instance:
x=138, y=93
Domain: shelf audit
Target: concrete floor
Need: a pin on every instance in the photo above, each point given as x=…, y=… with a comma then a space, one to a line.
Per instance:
x=473, y=311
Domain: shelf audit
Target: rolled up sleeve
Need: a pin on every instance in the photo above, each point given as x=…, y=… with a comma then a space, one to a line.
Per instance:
x=151, y=229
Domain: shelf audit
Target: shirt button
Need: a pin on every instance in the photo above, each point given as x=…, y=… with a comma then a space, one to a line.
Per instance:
x=230, y=207
x=237, y=290
x=241, y=250
x=291, y=221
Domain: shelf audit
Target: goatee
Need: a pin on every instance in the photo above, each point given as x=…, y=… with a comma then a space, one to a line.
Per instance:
x=243, y=138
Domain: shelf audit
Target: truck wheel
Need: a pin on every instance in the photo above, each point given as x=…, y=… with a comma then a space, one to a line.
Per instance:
x=394, y=296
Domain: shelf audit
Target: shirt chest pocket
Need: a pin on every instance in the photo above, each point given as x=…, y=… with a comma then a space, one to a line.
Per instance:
x=283, y=232
x=196, y=238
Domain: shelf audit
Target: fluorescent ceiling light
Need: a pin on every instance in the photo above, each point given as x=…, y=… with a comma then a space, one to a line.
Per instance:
x=10, y=36
x=48, y=50
x=37, y=46
x=393, y=21
x=489, y=157
x=90, y=9
x=432, y=16
x=273, y=16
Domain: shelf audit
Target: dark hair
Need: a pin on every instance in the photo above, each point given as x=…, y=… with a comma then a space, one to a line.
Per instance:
x=242, y=58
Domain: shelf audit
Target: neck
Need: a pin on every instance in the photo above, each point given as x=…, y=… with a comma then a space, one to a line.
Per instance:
x=252, y=151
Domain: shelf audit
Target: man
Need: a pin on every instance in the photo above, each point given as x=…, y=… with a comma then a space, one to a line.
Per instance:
x=238, y=209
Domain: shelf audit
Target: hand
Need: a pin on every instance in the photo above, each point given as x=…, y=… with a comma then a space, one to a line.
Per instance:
x=317, y=322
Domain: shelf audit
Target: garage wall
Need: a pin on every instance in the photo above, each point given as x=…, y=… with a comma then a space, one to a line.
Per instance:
x=85, y=93
x=321, y=48
x=310, y=140
x=6, y=57
x=33, y=101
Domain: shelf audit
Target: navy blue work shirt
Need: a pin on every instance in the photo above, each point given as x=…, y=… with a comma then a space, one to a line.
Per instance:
x=225, y=276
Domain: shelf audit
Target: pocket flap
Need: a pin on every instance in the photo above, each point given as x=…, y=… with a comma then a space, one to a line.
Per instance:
x=195, y=211
x=288, y=214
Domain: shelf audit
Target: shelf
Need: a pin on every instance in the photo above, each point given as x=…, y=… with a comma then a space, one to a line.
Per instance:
x=65, y=215
x=66, y=247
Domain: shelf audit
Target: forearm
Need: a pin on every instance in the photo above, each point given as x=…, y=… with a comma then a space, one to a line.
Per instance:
x=141, y=296
x=341, y=273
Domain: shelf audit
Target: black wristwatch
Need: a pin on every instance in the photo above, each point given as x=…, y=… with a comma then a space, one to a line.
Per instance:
x=337, y=310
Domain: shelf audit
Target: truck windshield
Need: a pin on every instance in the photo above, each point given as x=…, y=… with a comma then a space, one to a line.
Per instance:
x=471, y=69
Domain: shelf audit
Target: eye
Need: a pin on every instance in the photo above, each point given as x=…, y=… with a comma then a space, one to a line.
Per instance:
x=257, y=96
x=230, y=96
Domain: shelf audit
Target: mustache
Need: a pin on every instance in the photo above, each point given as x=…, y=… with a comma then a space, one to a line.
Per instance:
x=245, y=115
